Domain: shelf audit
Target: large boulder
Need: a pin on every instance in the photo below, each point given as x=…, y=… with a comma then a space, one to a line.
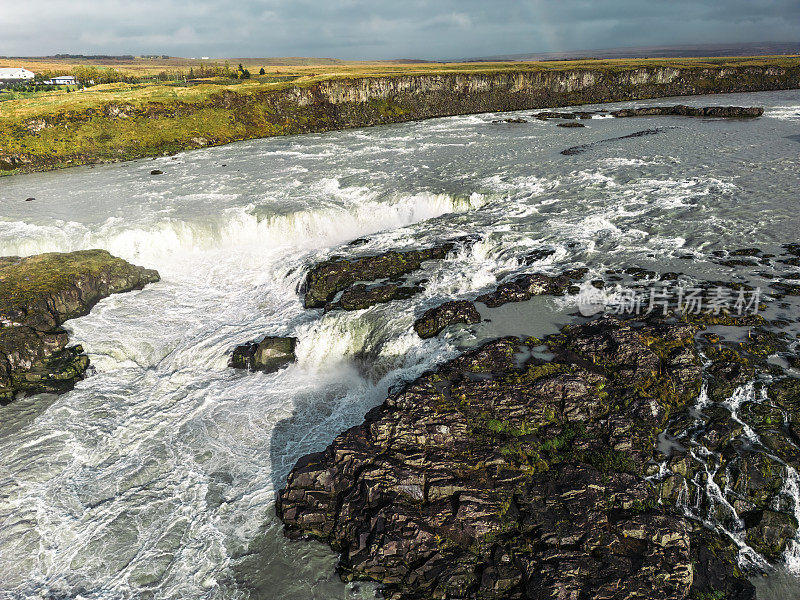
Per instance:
x=37, y=294
x=434, y=320
x=330, y=277
x=268, y=355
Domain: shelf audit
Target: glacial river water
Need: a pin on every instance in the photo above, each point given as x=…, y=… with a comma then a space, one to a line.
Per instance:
x=156, y=476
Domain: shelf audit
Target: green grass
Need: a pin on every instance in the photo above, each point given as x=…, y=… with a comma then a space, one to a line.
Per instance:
x=122, y=121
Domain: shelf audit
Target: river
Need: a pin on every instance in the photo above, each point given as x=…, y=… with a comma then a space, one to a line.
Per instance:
x=156, y=476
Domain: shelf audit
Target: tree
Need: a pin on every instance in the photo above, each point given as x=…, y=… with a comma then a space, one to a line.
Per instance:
x=262, y=71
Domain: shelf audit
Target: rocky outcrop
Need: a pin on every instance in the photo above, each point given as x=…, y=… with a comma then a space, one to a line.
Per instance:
x=680, y=110
x=502, y=475
x=330, y=277
x=268, y=355
x=525, y=287
x=361, y=296
x=434, y=320
x=39, y=293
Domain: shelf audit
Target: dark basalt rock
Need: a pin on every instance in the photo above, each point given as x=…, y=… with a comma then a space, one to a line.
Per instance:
x=508, y=478
x=434, y=320
x=769, y=532
x=156, y=172
x=571, y=124
x=269, y=355
x=584, y=147
x=525, y=287
x=549, y=114
x=39, y=293
x=361, y=296
x=517, y=120
x=679, y=110
x=327, y=278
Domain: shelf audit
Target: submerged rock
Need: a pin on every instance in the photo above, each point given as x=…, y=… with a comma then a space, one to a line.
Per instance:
x=584, y=147
x=680, y=110
x=39, y=293
x=504, y=476
x=269, y=355
x=570, y=124
x=328, y=278
x=434, y=320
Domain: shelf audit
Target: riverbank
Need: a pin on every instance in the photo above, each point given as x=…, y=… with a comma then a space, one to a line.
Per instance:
x=123, y=122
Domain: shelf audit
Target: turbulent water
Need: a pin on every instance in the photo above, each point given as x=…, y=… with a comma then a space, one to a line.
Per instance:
x=156, y=476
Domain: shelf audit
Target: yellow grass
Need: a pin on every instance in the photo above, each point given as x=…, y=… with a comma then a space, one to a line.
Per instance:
x=137, y=94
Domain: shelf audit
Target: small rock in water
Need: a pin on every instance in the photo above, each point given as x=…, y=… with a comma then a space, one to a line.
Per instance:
x=570, y=124
x=156, y=172
x=29, y=199
x=269, y=355
x=436, y=319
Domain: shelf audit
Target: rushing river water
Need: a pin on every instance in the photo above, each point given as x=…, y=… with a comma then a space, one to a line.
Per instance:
x=156, y=476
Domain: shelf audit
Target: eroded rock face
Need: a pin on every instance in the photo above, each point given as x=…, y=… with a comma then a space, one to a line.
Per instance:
x=434, y=320
x=504, y=476
x=39, y=293
x=328, y=278
x=269, y=355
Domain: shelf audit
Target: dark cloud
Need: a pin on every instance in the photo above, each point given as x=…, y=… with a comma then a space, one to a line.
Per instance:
x=354, y=29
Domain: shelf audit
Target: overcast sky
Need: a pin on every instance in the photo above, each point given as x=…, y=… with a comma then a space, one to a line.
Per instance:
x=364, y=29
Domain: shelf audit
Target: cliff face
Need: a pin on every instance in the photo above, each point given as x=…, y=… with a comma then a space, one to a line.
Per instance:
x=121, y=131
x=371, y=101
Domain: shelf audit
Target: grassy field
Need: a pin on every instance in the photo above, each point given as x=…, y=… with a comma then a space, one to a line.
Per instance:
x=193, y=109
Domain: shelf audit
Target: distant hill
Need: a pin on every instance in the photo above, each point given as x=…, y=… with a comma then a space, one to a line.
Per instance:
x=688, y=50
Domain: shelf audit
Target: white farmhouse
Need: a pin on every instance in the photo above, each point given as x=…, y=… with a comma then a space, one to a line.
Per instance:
x=16, y=75
x=62, y=80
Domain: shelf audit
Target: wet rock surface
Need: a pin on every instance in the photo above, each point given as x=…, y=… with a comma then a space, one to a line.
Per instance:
x=434, y=320
x=525, y=287
x=501, y=475
x=572, y=151
x=39, y=293
x=680, y=110
x=361, y=296
x=326, y=279
x=269, y=355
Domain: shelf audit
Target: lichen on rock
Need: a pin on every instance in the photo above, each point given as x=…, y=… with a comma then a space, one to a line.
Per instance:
x=501, y=476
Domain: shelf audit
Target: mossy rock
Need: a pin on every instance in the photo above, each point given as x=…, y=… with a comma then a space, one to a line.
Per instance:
x=37, y=294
